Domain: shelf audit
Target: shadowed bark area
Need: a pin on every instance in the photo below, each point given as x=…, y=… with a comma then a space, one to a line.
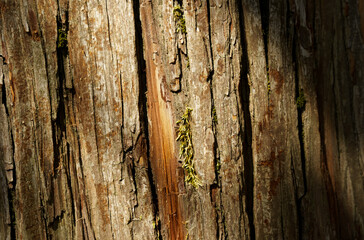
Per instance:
x=91, y=93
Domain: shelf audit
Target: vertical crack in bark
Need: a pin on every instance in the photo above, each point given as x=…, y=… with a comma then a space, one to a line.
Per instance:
x=3, y=90
x=264, y=13
x=132, y=167
x=11, y=198
x=220, y=216
x=61, y=149
x=244, y=92
x=59, y=124
x=11, y=190
x=300, y=102
x=143, y=112
x=11, y=193
x=209, y=79
x=108, y=26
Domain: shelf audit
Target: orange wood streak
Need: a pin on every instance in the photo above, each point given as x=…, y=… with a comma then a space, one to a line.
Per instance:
x=162, y=151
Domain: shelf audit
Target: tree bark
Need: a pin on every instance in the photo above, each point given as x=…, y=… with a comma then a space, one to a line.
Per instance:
x=91, y=97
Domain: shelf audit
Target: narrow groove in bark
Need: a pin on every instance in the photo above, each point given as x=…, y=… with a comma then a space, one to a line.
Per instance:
x=210, y=36
x=244, y=92
x=217, y=183
x=264, y=14
x=132, y=166
x=108, y=24
x=59, y=124
x=69, y=185
x=11, y=191
x=220, y=217
x=3, y=90
x=179, y=56
x=58, y=131
x=209, y=79
x=300, y=111
x=143, y=109
x=11, y=197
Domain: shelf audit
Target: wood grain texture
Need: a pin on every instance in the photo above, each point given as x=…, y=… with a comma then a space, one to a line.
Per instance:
x=88, y=126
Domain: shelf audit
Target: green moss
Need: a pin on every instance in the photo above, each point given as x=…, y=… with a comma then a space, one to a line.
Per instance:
x=268, y=83
x=62, y=38
x=184, y=136
x=214, y=116
x=218, y=165
x=179, y=18
x=301, y=101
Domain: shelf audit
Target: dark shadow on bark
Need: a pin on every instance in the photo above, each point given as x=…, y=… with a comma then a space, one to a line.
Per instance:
x=244, y=92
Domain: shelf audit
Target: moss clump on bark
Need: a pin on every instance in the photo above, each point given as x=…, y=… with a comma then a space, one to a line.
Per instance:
x=179, y=18
x=214, y=116
x=62, y=38
x=184, y=136
x=268, y=83
x=301, y=101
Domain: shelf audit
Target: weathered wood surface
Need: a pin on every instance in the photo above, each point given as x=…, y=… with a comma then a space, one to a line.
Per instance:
x=88, y=144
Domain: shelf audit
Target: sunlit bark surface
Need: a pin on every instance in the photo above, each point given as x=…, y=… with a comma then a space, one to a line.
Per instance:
x=91, y=93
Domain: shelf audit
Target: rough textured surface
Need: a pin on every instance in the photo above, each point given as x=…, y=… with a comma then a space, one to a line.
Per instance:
x=90, y=93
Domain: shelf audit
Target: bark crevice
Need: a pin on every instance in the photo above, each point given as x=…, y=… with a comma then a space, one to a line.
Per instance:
x=244, y=92
x=59, y=124
x=11, y=186
x=143, y=111
x=301, y=104
x=216, y=186
x=264, y=18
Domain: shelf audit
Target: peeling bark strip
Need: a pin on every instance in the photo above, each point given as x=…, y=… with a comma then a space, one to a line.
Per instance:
x=91, y=92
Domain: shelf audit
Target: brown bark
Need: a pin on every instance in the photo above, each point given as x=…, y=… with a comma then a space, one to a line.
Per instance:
x=91, y=93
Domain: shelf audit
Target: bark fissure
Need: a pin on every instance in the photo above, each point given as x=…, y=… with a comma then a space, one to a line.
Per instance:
x=213, y=107
x=11, y=186
x=59, y=124
x=221, y=230
x=108, y=24
x=4, y=102
x=264, y=18
x=11, y=198
x=143, y=111
x=300, y=102
x=244, y=92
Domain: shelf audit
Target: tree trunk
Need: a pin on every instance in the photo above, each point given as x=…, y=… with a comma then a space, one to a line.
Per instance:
x=181, y=119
